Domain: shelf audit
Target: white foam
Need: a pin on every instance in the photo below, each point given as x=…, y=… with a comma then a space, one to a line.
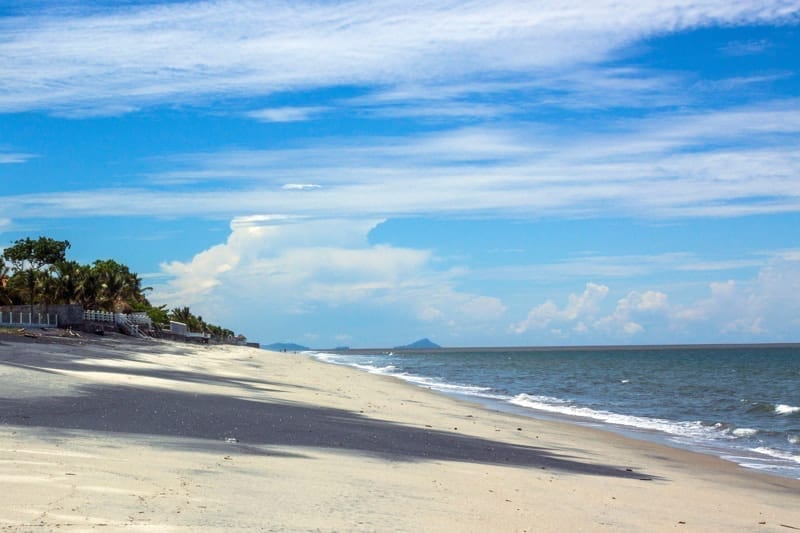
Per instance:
x=555, y=405
x=372, y=369
x=783, y=409
x=422, y=381
x=777, y=453
x=453, y=388
x=326, y=357
x=744, y=432
x=794, y=439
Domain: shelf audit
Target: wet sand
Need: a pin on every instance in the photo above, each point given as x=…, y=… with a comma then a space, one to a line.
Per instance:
x=112, y=433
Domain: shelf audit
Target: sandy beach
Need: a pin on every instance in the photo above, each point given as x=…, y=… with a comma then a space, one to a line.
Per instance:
x=108, y=433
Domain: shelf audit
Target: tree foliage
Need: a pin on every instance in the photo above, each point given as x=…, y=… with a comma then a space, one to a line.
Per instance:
x=197, y=324
x=38, y=272
x=29, y=257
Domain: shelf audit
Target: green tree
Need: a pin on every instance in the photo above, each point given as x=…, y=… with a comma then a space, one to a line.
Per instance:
x=46, y=287
x=5, y=282
x=68, y=278
x=29, y=257
x=87, y=289
x=184, y=315
x=158, y=315
x=34, y=271
x=120, y=290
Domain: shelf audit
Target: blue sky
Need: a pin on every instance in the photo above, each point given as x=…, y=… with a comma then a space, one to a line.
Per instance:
x=369, y=173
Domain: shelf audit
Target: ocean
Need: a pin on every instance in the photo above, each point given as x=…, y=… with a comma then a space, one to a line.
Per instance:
x=741, y=403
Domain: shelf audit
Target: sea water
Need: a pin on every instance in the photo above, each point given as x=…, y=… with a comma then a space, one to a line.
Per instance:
x=741, y=403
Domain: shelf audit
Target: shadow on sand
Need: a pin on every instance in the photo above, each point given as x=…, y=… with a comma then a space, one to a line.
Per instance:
x=213, y=418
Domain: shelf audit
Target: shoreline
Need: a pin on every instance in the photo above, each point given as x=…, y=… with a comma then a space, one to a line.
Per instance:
x=770, y=461
x=237, y=437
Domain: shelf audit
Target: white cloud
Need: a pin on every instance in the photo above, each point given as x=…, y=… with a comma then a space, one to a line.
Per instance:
x=630, y=310
x=300, y=187
x=281, y=265
x=763, y=308
x=649, y=301
x=578, y=309
x=746, y=48
x=726, y=163
x=596, y=266
x=740, y=83
x=10, y=158
x=286, y=114
x=324, y=270
x=85, y=60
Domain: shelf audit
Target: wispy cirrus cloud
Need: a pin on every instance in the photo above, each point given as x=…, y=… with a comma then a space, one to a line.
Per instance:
x=725, y=163
x=740, y=82
x=745, y=48
x=609, y=267
x=10, y=158
x=286, y=114
x=82, y=60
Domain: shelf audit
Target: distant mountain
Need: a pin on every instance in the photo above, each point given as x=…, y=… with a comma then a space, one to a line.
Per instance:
x=422, y=344
x=285, y=346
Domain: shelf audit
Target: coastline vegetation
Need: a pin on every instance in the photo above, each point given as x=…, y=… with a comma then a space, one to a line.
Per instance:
x=38, y=272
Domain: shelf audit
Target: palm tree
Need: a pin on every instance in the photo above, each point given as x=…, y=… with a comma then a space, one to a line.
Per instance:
x=45, y=288
x=120, y=289
x=87, y=290
x=183, y=314
x=5, y=279
x=68, y=280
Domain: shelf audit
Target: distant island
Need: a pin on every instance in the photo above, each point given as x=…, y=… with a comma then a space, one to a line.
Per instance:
x=286, y=347
x=422, y=344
